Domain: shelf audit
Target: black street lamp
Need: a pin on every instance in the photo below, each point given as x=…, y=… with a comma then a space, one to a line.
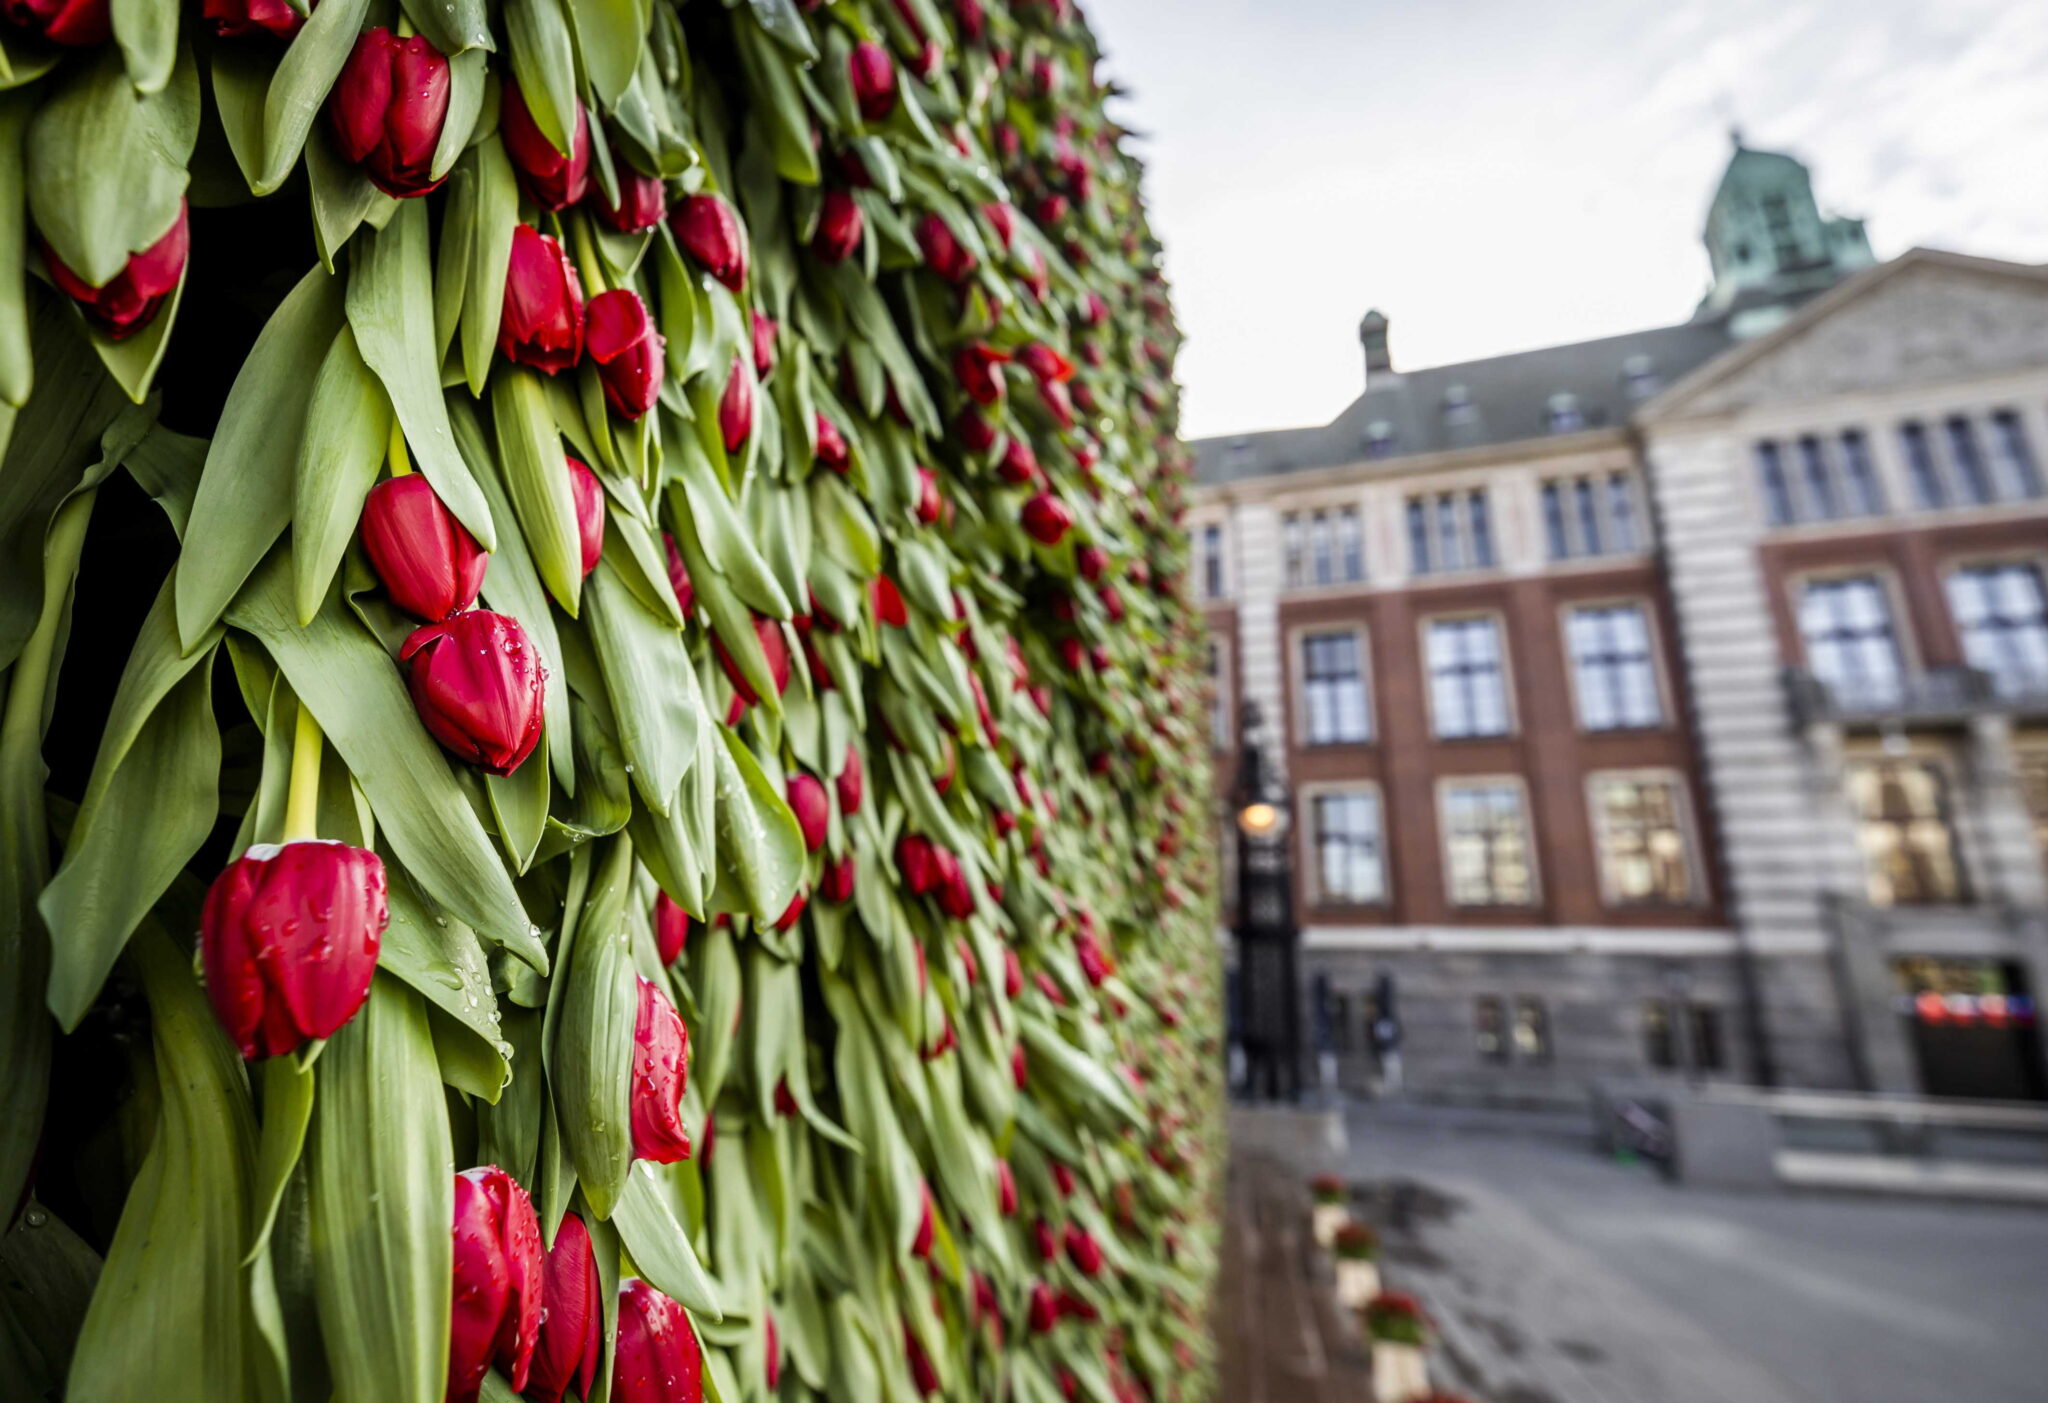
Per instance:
x=1268, y=992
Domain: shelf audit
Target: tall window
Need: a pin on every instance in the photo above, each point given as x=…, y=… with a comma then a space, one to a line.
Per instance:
x=1847, y=626
x=1532, y=1030
x=1817, y=478
x=1349, y=869
x=1450, y=531
x=1467, y=684
x=1973, y=479
x=1486, y=845
x=1490, y=1028
x=2032, y=764
x=1219, y=700
x=1212, y=562
x=1859, y=475
x=1928, y=488
x=1612, y=671
x=1639, y=827
x=2017, y=474
x=1777, y=491
x=2002, y=613
x=1971, y=465
x=1904, y=829
x=1323, y=547
x=1333, y=689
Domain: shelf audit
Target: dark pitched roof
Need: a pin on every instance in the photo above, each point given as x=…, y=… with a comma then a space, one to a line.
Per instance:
x=1504, y=399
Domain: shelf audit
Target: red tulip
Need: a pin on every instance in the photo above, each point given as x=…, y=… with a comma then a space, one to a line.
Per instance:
x=889, y=606
x=679, y=576
x=1002, y=217
x=975, y=365
x=764, y=344
x=840, y=226
x=837, y=882
x=929, y=505
x=956, y=897
x=1062, y=1179
x=790, y=912
x=850, y=783
x=921, y=1371
x=656, y=1358
x=1048, y=1244
x=671, y=928
x=289, y=938
x=430, y=565
x=241, y=19
x=1091, y=561
x=973, y=21
x=661, y=1067
x=973, y=431
x=927, y=1229
x=479, y=686
x=552, y=179
x=72, y=22
x=917, y=863
x=387, y=108
x=813, y=809
x=626, y=349
x=588, y=495
x=736, y=406
x=832, y=449
x=874, y=80
x=1013, y=973
x=1019, y=1070
x=1083, y=1250
x=1096, y=311
x=642, y=200
x=772, y=1346
x=129, y=301
x=495, y=1312
x=708, y=228
x=1046, y=519
x=943, y=253
x=772, y=644
x=572, y=1318
x=1006, y=1189
x=542, y=324
x=1045, y=1309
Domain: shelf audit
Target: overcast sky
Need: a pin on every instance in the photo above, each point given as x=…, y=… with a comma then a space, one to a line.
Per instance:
x=1497, y=175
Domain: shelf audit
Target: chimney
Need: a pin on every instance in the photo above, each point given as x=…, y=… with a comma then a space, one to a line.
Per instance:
x=1372, y=334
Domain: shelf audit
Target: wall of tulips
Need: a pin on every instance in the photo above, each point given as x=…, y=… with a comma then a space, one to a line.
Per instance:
x=603, y=785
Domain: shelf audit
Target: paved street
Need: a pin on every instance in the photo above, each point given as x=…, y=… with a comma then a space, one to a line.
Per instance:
x=1563, y=1278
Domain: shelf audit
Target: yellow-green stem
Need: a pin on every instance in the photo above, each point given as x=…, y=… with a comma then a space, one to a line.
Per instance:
x=302, y=804
x=401, y=460
x=588, y=262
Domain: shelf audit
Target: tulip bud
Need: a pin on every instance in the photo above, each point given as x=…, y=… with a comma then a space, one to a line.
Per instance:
x=888, y=600
x=1048, y=1244
x=429, y=564
x=479, y=687
x=837, y=882
x=1006, y=1189
x=627, y=350
x=975, y=365
x=943, y=252
x=850, y=783
x=1002, y=217
x=289, y=938
x=656, y=1358
x=773, y=645
x=1046, y=519
x=709, y=230
x=813, y=810
x=1019, y=1070
x=387, y=108
x=495, y=1311
x=973, y=431
x=642, y=200
x=1045, y=1309
x=75, y=23
x=1083, y=1250
x=671, y=928
x=242, y=19
x=1062, y=1179
x=129, y=300
x=736, y=406
x=542, y=324
x=772, y=1344
x=832, y=449
x=764, y=344
x=956, y=898
x=1013, y=973
x=587, y=493
x=571, y=1341
x=679, y=576
x=916, y=863
x=552, y=179
x=921, y=1371
x=928, y=504
x=840, y=226
x=927, y=1230
x=1019, y=465
x=661, y=1067
x=873, y=74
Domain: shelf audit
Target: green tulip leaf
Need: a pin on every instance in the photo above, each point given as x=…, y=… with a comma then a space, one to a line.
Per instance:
x=758, y=840
x=544, y=64
x=441, y=959
x=591, y=1062
x=609, y=36
x=147, y=31
x=455, y=27
x=651, y=1226
x=652, y=685
x=483, y=296
x=348, y=426
x=298, y=90
x=17, y=364
x=537, y=477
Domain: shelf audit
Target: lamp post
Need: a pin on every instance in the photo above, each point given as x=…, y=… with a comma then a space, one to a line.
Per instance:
x=1269, y=1002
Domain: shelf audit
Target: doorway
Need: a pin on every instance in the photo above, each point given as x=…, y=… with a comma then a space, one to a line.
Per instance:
x=1973, y=1027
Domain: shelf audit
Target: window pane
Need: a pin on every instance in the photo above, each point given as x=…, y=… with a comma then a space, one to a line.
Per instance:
x=1482, y=530
x=1658, y=1048
x=1588, y=516
x=1553, y=522
x=1849, y=642
x=1348, y=847
x=1489, y=1024
x=1821, y=503
x=1333, y=689
x=2018, y=474
x=1532, y=1030
x=1486, y=846
x=1643, y=853
x=1904, y=830
x=1866, y=498
x=1212, y=561
x=1927, y=486
x=1468, y=694
x=1291, y=548
x=1972, y=479
x=1325, y=567
x=1351, y=544
x=1771, y=479
x=1418, y=536
x=2002, y=613
x=1613, y=673
x=1449, y=554
x=1621, y=507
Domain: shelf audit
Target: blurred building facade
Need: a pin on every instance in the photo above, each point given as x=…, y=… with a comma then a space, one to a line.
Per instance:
x=1674, y=704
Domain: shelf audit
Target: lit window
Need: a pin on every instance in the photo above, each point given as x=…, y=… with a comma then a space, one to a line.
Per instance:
x=1349, y=869
x=1489, y=1028
x=1467, y=684
x=1486, y=845
x=1641, y=836
x=1532, y=1031
x=2002, y=613
x=1850, y=647
x=1903, y=828
x=1333, y=689
x=1612, y=670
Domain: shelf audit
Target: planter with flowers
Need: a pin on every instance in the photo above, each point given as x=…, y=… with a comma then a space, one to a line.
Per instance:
x=1332, y=1207
x=1356, y=1248
x=1398, y=1331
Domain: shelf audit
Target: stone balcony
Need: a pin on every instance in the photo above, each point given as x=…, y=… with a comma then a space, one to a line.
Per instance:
x=1932, y=698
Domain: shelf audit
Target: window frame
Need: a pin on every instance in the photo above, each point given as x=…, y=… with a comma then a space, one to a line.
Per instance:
x=1298, y=637
x=1445, y=784
x=1950, y=792
x=1644, y=605
x=1511, y=718
x=1224, y=710
x=1688, y=837
x=2012, y=560
x=1214, y=562
x=1467, y=508
x=1311, y=855
x=1904, y=642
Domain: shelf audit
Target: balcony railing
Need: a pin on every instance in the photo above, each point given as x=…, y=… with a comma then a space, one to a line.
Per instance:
x=1936, y=696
